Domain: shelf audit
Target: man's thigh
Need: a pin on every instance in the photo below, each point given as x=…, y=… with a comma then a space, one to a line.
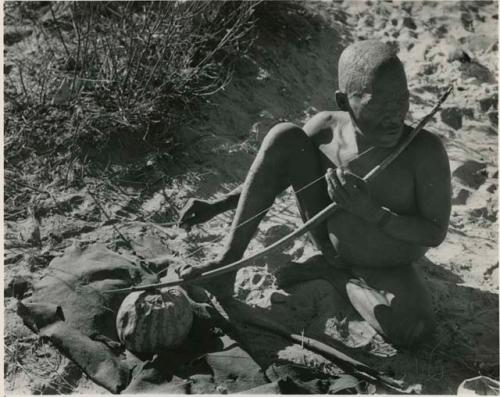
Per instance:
x=394, y=300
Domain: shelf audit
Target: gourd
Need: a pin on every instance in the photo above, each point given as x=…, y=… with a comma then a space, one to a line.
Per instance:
x=153, y=320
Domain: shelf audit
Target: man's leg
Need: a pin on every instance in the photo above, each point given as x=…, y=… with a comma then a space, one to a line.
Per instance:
x=394, y=301
x=315, y=267
x=286, y=157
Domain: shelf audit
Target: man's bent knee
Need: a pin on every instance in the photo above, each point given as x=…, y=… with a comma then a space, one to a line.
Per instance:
x=284, y=135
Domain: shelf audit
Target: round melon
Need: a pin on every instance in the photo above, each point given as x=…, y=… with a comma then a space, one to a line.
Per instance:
x=149, y=321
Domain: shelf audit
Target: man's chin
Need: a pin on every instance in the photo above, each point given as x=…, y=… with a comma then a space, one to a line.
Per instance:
x=387, y=143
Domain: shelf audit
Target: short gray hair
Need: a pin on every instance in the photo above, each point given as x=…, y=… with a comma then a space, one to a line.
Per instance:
x=359, y=62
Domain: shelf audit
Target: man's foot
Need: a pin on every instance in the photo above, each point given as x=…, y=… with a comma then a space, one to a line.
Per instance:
x=221, y=286
x=293, y=273
x=288, y=276
x=188, y=272
x=314, y=268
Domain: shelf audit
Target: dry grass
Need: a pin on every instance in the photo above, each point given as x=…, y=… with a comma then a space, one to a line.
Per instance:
x=111, y=75
x=33, y=362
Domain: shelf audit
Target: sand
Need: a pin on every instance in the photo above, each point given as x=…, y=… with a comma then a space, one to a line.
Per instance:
x=290, y=75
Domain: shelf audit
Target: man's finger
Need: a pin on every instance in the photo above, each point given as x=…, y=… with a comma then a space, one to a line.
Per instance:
x=185, y=272
x=339, y=196
x=329, y=185
x=353, y=179
x=178, y=270
x=192, y=272
x=186, y=225
x=188, y=219
x=188, y=209
x=353, y=183
x=340, y=199
x=340, y=176
x=187, y=214
x=340, y=193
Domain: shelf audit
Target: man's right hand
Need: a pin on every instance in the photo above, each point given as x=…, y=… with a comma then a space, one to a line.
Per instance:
x=187, y=272
x=222, y=286
x=196, y=211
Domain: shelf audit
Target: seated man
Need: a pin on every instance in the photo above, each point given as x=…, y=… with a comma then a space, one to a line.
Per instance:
x=382, y=227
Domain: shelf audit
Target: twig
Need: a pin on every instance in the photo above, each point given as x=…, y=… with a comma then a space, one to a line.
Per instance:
x=87, y=37
x=244, y=314
x=358, y=369
x=129, y=244
x=27, y=186
x=22, y=81
x=18, y=363
x=41, y=94
x=58, y=29
x=55, y=370
x=77, y=61
x=158, y=227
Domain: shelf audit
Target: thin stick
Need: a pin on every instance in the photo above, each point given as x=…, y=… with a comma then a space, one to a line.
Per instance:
x=58, y=205
x=129, y=244
x=26, y=185
x=22, y=81
x=246, y=316
x=77, y=61
x=348, y=364
x=58, y=29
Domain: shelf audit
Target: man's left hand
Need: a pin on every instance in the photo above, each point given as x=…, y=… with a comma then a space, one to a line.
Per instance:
x=351, y=193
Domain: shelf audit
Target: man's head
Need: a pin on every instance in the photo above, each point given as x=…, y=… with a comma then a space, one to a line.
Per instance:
x=373, y=89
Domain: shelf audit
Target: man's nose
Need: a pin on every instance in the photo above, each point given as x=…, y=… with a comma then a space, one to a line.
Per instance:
x=392, y=121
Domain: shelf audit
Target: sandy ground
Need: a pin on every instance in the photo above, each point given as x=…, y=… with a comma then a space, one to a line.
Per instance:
x=290, y=76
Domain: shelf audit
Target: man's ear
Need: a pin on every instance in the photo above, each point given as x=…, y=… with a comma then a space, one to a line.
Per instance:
x=342, y=101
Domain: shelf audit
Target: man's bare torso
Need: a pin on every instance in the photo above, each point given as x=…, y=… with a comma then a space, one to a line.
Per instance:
x=358, y=242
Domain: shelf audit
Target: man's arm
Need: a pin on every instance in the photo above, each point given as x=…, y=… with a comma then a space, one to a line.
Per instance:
x=319, y=127
x=198, y=211
x=433, y=191
x=433, y=194
x=229, y=201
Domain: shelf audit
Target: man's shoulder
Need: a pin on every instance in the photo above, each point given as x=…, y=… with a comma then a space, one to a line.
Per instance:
x=324, y=121
x=428, y=150
x=427, y=141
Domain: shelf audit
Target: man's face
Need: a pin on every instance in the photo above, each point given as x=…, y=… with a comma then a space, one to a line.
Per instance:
x=380, y=114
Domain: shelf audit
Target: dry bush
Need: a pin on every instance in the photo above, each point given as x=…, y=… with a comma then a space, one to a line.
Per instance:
x=106, y=74
x=124, y=64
